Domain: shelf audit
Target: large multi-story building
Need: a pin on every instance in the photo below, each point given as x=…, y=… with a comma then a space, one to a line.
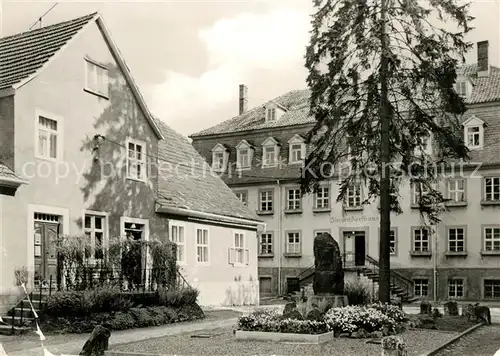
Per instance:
x=262, y=149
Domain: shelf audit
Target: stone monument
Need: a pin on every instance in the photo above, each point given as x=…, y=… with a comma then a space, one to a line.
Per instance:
x=329, y=273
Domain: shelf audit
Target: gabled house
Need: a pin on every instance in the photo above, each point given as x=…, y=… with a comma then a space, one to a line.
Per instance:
x=79, y=156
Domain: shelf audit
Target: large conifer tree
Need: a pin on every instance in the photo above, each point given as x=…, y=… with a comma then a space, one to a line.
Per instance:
x=381, y=75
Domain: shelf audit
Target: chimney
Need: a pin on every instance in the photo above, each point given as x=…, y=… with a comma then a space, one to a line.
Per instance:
x=243, y=98
x=483, y=66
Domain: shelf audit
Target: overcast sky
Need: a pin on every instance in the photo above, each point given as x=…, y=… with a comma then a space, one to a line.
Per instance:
x=189, y=57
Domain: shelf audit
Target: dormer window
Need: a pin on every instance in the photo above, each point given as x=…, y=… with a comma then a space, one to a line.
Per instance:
x=297, y=149
x=270, y=152
x=424, y=145
x=474, y=133
x=244, y=155
x=461, y=88
x=271, y=114
x=274, y=111
x=219, y=157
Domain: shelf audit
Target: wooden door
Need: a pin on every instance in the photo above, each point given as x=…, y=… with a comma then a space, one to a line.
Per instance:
x=265, y=285
x=45, y=251
x=359, y=249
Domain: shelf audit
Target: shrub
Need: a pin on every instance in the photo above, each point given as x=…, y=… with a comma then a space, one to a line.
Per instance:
x=352, y=318
x=392, y=311
x=176, y=298
x=357, y=293
x=66, y=304
x=21, y=276
x=106, y=299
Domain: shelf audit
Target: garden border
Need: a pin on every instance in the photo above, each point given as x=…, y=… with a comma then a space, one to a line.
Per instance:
x=121, y=353
x=314, y=339
x=452, y=340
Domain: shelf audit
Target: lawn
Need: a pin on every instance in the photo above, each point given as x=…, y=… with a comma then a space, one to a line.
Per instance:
x=450, y=323
x=223, y=342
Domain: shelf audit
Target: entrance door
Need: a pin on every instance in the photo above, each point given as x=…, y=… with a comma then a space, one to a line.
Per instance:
x=265, y=285
x=133, y=263
x=45, y=251
x=359, y=248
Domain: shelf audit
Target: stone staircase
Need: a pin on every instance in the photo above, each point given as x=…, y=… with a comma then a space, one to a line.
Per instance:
x=20, y=318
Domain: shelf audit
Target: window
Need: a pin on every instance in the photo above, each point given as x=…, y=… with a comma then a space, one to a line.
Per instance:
x=392, y=241
x=456, y=190
x=266, y=244
x=269, y=158
x=473, y=137
x=353, y=196
x=293, y=199
x=492, y=288
x=456, y=239
x=424, y=145
x=95, y=227
x=418, y=191
x=243, y=196
x=492, y=238
x=266, y=200
x=420, y=240
x=293, y=243
x=47, y=138
x=461, y=88
x=455, y=288
x=219, y=157
x=271, y=114
x=136, y=160
x=243, y=159
x=238, y=254
x=492, y=188
x=96, y=80
x=322, y=198
x=202, y=246
x=321, y=232
x=421, y=287
x=178, y=237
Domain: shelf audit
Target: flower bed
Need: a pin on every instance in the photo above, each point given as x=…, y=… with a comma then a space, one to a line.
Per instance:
x=386, y=319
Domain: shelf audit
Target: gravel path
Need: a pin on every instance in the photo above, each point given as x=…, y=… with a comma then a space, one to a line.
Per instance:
x=31, y=340
x=484, y=341
x=223, y=342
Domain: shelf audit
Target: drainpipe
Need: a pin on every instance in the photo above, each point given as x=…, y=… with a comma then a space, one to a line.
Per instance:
x=435, y=262
x=280, y=240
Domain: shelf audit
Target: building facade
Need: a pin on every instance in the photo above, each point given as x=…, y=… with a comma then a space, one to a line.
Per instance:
x=79, y=156
x=261, y=151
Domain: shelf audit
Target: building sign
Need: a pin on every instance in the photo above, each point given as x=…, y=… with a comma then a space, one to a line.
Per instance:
x=353, y=219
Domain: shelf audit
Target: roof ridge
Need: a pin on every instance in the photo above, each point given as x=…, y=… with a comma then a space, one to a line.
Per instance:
x=76, y=19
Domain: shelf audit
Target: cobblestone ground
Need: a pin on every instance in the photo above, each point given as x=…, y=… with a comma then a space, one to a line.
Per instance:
x=485, y=341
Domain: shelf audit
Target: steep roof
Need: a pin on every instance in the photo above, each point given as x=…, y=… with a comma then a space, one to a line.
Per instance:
x=8, y=177
x=185, y=181
x=485, y=90
x=24, y=55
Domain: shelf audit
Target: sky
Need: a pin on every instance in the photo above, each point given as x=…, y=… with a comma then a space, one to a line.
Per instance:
x=189, y=57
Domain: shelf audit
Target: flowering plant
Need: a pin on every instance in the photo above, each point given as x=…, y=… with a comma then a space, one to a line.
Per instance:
x=272, y=321
x=394, y=343
x=352, y=318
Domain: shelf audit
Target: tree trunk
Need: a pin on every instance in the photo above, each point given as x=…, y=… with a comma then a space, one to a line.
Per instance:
x=385, y=179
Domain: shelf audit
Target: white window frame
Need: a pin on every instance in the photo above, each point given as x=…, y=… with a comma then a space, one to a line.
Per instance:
x=267, y=243
x=325, y=200
x=296, y=202
x=240, y=194
x=244, y=146
x=269, y=199
x=296, y=141
x=420, y=239
x=354, y=192
x=219, y=149
x=474, y=122
x=271, y=114
x=59, y=133
x=93, y=230
x=494, y=237
x=178, y=226
x=394, y=235
x=470, y=136
x=102, y=89
x=207, y=245
x=455, y=288
x=493, y=296
x=453, y=235
x=270, y=144
x=240, y=161
x=239, y=254
x=288, y=250
x=415, y=199
x=454, y=190
x=495, y=183
x=420, y=287
x=139, y=162
x=461, y=88
x=427, y=139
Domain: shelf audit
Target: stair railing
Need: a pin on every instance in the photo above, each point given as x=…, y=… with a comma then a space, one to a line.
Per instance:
x=396, y=278
x=306, y=273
